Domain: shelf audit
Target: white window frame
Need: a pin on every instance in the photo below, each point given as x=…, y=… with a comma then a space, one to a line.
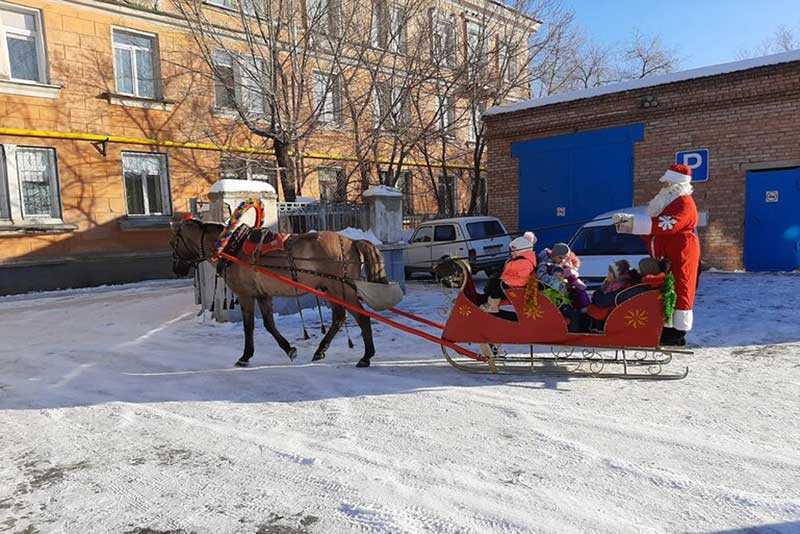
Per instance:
x=478, y=54
x=446, y=107
x=166, y=187
x=330, y=95
x=154, y=58
x=224, y=4
x=398, y=37
x=443, y=24
x=38, y=35
x=340, y=187
x=506, y=58
x=13, y=187
x=253, y=168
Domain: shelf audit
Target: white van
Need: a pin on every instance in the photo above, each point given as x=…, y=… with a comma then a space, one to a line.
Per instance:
x=597, y=244
x=481, y=239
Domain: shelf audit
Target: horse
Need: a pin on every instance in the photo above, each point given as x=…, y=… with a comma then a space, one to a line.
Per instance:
x=325, y=261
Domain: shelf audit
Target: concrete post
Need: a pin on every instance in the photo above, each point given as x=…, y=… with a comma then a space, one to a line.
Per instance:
x=385, y=219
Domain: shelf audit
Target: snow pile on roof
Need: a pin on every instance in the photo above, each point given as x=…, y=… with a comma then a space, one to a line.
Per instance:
x=383, y=190
x=356, y=234
x=231, y=185
x=650, y=81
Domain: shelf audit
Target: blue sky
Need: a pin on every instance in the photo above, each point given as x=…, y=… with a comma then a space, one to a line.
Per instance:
x=704, y=32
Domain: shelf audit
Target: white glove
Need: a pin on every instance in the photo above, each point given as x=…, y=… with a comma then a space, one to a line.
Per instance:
x=618, y=218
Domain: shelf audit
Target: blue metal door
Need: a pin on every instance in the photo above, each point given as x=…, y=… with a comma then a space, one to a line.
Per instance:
x=772, y=220
x=571, y=178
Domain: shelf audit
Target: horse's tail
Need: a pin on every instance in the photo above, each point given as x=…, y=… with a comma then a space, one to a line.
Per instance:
x=373, y=261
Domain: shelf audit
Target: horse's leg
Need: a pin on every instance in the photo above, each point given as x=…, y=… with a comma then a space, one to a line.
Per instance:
x=247, y=303
x=337, y=319
x=265, y=303
x=366, y=332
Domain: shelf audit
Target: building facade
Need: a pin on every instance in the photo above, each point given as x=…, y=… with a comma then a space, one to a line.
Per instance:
x=111, y=123
x=572, y=157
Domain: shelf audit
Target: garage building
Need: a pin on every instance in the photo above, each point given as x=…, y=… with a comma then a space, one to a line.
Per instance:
x=569, y=157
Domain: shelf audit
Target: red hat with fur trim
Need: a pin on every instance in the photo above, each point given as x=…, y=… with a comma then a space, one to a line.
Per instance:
x=677, y=174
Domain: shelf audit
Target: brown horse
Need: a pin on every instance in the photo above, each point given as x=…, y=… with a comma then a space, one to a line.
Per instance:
x=332, y=256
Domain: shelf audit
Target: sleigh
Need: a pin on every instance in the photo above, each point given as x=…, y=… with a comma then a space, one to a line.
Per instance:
x=627, y=346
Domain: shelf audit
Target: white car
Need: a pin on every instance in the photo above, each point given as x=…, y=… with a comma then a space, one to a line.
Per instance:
x=483, y=240
x=597, y=244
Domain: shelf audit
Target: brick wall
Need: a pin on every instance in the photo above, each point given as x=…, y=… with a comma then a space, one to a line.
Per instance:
x=747, y=119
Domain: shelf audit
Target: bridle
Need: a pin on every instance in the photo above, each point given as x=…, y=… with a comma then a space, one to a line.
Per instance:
x=180, y=238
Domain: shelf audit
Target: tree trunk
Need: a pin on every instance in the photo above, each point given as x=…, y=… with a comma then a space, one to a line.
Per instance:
x=287, y=176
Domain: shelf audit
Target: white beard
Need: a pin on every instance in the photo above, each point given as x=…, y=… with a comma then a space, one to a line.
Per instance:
x=665, y=197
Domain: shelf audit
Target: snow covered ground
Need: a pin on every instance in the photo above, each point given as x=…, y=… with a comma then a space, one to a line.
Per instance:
x=120, y=413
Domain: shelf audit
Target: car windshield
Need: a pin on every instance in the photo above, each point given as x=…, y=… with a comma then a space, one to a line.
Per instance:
x=605, y=241
x=484, y=229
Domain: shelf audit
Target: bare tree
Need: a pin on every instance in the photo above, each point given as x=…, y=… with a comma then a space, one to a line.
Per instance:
x=645, y=55
x=783, y=39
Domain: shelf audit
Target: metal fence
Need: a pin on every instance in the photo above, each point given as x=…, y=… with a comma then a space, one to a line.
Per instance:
x=298, y=217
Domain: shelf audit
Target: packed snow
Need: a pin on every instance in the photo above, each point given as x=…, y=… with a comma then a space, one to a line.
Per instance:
x=383, y=190
x=232, y=185
x=356, y=234
x=121, y=412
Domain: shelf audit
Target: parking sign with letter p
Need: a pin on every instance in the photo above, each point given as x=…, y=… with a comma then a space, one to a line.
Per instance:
x=697, y=160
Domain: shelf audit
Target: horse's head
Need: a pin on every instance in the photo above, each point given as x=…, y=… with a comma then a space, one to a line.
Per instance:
x=188, y=245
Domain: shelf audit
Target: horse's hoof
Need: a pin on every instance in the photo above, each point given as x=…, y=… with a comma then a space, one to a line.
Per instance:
x=363, y=362
x=241, y=363
x=318, y=356
x=292, y=354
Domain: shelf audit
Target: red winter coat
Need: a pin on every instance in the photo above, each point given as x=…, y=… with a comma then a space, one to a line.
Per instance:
x=670, y=235
x=519, y=268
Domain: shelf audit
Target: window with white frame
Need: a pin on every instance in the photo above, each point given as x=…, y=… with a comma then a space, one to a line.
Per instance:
x=446, y=109
x=38, y=183
x=230, y=4
x=5, y=209
x=322, y=16
x=147, y=190
x=476, y=122
x=29, y=185
x=476, y=43
x=242, y=81
x=507, y=59
x=248, y=169
x=390, y=108
x=326, y=97
x=331, y=184
x=447, y=194
x=444, y=38
x=397, y=29
x=136, y=64
x=22, y=51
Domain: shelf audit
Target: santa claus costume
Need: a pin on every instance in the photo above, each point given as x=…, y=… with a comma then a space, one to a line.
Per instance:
x=668, y=227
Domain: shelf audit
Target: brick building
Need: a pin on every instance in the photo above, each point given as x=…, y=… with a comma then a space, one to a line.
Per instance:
x=571, y=157
x=110, y=124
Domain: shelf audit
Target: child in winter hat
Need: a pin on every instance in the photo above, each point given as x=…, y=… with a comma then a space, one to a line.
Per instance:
x=516, y=272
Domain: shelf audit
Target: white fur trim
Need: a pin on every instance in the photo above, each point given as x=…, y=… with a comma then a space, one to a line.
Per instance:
x=682, y=320
x=642, y=225
x=665, y=197
x=673, y=177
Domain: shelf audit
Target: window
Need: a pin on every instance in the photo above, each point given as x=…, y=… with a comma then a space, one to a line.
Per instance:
x=331, y=184
x=447, y=195
x=326, y=98
x=444, y=38
x=476, y=121
x=605, y=241
x=5, y=210
x=482, y=199
x=22, y=52
x=390, y=108
x=485, y=229
x=423, y=235
x=322, y=16
x=135, y=64
x=476, y=43
x=248, y=169
x=38, y=183
x=243, y=81
x=147, y=190
x=222, y=3
x=397, y=29
x=406, y=185
x=507, y=59
x=446, y=108
x=444, y=232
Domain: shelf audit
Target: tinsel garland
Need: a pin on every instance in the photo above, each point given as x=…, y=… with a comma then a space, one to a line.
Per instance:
x=669, y=296
x=556, y=297
x=532, y=297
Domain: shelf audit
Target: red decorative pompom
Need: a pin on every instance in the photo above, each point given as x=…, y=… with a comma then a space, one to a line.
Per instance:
x=681, y=169
x=187, y=217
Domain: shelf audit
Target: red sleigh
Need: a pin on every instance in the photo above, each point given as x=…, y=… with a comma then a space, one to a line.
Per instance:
x=630, y=337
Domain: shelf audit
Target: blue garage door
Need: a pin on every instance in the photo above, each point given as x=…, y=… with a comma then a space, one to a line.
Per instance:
x=574, y=177
x=772, y=220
